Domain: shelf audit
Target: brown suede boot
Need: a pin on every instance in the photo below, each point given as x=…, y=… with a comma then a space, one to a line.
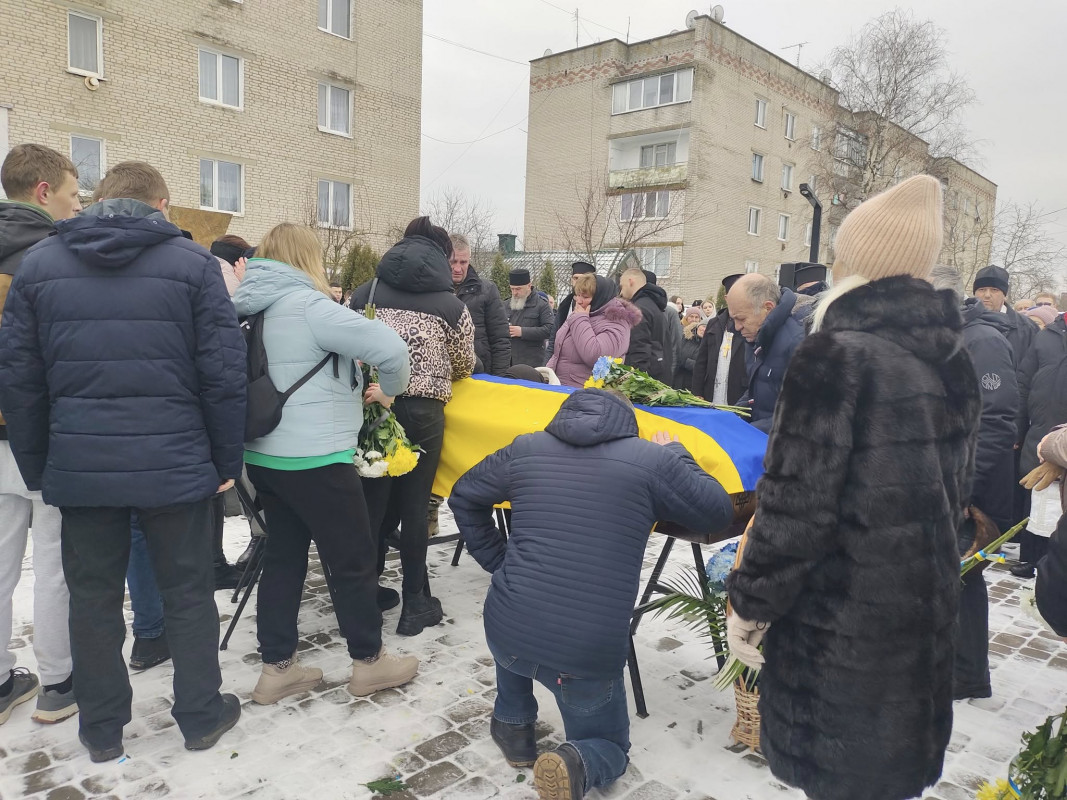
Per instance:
x=385, y=672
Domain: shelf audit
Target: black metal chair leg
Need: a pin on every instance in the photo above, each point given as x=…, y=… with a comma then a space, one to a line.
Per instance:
x=635, y=682
x=458, y=552
x=650, y=586
x=241, y=607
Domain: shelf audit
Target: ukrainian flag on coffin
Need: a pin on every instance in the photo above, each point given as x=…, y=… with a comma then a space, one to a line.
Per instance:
x=487, y=413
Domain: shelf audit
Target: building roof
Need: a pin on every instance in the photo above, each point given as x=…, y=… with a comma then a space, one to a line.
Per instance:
x=605, y=261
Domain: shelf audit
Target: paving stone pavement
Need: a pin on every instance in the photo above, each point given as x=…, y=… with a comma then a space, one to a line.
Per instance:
x=434, y=733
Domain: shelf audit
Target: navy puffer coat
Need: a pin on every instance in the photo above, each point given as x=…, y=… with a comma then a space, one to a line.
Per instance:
x=779, y=336
x=122, y=369
x=584, y=495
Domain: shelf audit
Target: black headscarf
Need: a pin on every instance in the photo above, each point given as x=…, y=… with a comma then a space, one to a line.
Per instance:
x=605, y=290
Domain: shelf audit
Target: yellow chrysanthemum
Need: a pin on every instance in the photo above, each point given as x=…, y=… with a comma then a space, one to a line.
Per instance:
x=401, y=462
x=995, y=791
x=599, y=383
x=617, y=360
x=589, y=383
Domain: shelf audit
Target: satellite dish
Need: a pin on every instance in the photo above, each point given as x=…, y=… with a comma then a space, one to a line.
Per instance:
x=691, y=19
x=547, y=53
x=825, y=76
x=717, y=14
x=674, y=31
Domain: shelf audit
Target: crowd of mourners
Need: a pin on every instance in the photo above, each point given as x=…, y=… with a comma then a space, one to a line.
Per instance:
x=905, y=421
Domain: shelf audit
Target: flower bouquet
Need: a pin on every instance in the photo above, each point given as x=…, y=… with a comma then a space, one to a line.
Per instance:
x=611, y=373
x=1039, y=772
x=383, y=447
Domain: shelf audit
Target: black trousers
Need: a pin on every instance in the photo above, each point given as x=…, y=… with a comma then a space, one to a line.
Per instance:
x=971, y=668
x=407, y=498
x=324, y=506
x=96, y=551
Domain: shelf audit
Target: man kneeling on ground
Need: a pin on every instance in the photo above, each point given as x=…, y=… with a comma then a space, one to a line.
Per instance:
x=584, y=495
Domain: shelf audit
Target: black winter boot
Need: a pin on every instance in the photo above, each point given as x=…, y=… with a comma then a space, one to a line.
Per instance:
x=420, y=611
x=560, y=775
x=148, y=653
x=517, y=742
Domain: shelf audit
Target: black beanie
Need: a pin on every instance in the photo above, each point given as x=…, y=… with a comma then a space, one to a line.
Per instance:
x=994, y=276
x=582, y=267
x=227, y=252
x=650, y=276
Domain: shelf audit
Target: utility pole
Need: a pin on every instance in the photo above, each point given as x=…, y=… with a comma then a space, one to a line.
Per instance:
x=576, y=27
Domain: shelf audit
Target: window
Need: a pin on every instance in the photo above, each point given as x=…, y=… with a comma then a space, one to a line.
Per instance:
x=656, y=259
x=807, y=235
x=84, y=43
x=783, y=227
x=88, y=156
x=657, y=90
x=790, y=126
x=761, y=113
x=335, y=109
x=335, y=16
x=221, y=78
x=832, y=238
x=851, y=148
x=966, y=204
x=753, y=220
x=751, y=266
x=813, y=183
x=757, y=167
x=787, y=177
x=646, y=205
x=221, y=186
x=335, y=204
x=816, y=137
x=658, y=155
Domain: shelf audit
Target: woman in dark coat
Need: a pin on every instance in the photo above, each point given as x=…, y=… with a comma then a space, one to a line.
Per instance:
x=687, y=355
x=851, y=567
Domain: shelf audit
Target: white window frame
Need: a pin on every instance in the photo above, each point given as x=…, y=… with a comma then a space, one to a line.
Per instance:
x=755, y=214
x=329, y=19
x=649, y=256
x=99, y=72
x=807, y=235
x=682, y=91
x=215, y=186
x=787, y=172
x=662, y=197
x=813, y=184
x=332, y=184
x=219, y=54
x=751, y=266
x=329, y=89
x=103, y=160
x=759, y=163
x=761, y=113
x=790, y=126
x=816, y=138
x=783, y=227
x=669, y=151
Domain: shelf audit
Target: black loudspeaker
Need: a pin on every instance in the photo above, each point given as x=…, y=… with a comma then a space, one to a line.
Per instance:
x=786, y=273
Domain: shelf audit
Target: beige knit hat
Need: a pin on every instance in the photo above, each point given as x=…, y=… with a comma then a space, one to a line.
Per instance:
x=897, y=232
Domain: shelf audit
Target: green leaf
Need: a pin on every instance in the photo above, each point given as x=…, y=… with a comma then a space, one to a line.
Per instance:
x=386, y=786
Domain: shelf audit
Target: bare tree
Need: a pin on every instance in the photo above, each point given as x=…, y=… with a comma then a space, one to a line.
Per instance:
x=1023, y=245
x=899, y=108
x=337, y=240
x=620, y=221
x=457, y=213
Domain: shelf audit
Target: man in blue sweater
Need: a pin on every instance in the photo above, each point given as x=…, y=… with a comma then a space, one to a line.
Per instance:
x=122, y=379
x=584, y=495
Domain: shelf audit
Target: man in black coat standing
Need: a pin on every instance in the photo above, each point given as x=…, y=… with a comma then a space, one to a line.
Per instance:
x=531, y=321
x=492, y=340
x=991, y=286
x=584, y=494
x=566, y=305
x=720, y=375
x=984, y=336
x=650, y=347
x=762, y=312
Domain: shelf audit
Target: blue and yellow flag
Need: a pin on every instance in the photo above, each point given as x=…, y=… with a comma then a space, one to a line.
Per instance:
x=487, y=413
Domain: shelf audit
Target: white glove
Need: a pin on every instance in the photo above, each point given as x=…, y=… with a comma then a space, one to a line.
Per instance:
x=743, y=638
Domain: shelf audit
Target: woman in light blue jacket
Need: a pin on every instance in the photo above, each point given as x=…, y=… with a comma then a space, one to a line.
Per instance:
x=303, y=469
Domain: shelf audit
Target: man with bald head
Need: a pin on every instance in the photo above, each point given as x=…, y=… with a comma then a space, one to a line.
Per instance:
x=762, y=313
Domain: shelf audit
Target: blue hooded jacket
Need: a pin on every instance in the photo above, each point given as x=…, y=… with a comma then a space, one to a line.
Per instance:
x=584, y=495
x=122, y=368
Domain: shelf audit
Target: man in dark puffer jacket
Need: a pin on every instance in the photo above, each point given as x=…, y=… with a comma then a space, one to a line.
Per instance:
x=584, y=495
x=122, y=372
x=492, y=340
x=650, y=344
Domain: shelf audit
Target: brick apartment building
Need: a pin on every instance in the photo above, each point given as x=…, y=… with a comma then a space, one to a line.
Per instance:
x=302, y=110
x=691, y=148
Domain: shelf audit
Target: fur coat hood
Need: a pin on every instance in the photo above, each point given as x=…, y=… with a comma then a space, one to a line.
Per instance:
x=854, y=561
x=619, y=310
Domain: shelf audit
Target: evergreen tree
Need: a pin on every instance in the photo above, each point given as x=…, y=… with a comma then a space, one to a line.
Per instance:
x=720, y=299
x=359, y=267
x=499, y=275
x=547, y=282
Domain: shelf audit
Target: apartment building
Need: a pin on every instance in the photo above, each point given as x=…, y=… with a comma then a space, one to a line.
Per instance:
x=691, y=148
x=306, y=110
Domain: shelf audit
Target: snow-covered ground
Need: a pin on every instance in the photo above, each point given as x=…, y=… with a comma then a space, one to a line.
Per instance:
x=434, y=733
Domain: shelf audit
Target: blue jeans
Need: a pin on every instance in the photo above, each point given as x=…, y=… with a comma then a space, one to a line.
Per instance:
x=145, y=599
x=595, y=718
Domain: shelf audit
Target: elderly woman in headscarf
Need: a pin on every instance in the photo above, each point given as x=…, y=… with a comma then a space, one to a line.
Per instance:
x=598, y=326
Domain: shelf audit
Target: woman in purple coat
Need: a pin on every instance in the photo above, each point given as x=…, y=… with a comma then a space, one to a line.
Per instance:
x=598, y=326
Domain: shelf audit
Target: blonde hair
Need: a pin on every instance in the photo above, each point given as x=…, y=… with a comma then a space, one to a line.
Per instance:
x=585, y=285
x=300, y=248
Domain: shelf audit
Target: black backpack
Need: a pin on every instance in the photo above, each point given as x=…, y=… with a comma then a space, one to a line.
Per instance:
x=265, y=402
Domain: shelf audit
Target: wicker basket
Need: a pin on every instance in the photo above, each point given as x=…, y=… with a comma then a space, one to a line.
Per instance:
x=746, y=726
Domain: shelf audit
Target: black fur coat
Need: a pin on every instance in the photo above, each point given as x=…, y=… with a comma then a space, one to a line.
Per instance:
x=852, y=556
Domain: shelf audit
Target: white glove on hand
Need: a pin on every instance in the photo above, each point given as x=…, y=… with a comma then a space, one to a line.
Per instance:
x=743, y=638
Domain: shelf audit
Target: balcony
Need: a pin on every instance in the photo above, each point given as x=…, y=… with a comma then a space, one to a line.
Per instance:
x=643, y=177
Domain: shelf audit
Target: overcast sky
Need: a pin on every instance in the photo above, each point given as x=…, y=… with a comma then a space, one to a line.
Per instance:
x=1013, y=54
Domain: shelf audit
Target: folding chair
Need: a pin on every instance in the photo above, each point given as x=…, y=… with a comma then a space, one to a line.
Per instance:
x=503, y=524
x=254, y=565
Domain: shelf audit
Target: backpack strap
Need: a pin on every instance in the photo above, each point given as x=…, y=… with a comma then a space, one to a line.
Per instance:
x=373, y=286
x=308, y=376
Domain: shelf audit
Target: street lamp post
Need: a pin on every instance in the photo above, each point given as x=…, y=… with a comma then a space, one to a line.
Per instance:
x=816, y=221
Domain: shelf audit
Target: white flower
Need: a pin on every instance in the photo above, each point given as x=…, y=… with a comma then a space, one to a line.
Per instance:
x=373, y=455
x=374, y=470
